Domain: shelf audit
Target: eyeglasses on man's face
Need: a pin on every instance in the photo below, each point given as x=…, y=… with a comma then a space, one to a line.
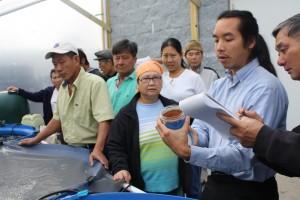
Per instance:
x=102, y=62
x=155, y=79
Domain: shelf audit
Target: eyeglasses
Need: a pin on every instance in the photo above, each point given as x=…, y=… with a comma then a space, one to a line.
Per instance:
x=102, y=62
x=155, y=79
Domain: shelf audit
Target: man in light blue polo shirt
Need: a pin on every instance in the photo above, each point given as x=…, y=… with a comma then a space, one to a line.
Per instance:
x=122, y=86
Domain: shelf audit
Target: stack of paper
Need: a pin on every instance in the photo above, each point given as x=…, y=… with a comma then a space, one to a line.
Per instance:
x=204, y=107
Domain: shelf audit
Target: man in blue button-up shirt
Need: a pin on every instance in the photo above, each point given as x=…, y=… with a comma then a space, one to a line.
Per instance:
x=251, y=80
x=277, y=148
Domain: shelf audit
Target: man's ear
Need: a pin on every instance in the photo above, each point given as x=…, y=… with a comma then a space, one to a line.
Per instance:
x=251, y=43
x=77, y=59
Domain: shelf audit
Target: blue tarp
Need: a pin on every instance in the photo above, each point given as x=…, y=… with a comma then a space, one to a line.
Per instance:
x=32, y=172
x=36, y=171
x=131, y=196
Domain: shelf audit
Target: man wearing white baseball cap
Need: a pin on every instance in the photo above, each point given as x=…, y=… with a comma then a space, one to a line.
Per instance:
x=61, y=48
x=83, y=111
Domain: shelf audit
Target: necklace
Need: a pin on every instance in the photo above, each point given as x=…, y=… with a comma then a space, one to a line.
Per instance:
x=176, y=75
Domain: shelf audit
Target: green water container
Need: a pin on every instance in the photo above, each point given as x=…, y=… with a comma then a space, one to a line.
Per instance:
x=12, y=107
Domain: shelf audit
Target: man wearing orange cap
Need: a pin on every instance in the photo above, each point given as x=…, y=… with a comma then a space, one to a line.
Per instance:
x=137, y=153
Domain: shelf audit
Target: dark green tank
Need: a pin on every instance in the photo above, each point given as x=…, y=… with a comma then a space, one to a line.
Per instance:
x=12, y=107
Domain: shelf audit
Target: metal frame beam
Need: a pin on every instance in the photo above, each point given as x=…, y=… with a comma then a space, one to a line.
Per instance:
x=194, y=6
x=87, y=14
x=20, y=6
x=197, y=3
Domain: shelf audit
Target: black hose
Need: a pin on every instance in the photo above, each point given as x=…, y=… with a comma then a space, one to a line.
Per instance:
x=57, y=193
x=124, y=189
x=89, y=180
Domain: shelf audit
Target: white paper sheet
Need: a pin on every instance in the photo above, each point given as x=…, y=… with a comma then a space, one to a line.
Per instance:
x=204, y=107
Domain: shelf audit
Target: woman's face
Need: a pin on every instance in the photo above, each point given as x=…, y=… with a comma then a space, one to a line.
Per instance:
x=171, y=58
x=150, y=84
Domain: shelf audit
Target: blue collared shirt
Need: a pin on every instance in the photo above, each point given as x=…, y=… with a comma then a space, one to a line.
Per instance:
x=251, y=85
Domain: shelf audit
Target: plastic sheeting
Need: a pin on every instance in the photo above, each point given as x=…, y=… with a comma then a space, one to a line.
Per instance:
x=32, y=172
x=132, y=196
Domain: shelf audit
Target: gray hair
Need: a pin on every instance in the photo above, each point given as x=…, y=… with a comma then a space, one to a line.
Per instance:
x=291, y=26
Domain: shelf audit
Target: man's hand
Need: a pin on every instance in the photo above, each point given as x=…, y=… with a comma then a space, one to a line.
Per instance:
x=251, y=114
x=52, y=127
x=98, y=155
x=122, y=175
x=29, y=141
x=12, y=89
x=247, y=128
x=177, y=140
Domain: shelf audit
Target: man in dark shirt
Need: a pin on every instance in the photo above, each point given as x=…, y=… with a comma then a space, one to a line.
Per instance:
x=47, y=96
x=106, y=63
x=86, y=65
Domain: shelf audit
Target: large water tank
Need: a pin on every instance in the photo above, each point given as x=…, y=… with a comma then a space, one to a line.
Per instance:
x=12, y=107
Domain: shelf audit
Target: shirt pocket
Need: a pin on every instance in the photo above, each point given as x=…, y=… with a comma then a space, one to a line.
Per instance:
x=80, y=112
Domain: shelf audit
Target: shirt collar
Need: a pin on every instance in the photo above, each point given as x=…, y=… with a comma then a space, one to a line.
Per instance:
x=131, y=76
x=242, y=73
x=90, y=69
x=77, y=80
x=198, y=70
x=110, y=76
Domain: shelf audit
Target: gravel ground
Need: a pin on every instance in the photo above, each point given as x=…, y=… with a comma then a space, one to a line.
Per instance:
x=288, y=187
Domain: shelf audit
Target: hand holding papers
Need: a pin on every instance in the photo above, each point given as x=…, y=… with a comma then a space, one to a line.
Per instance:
x=204, y=107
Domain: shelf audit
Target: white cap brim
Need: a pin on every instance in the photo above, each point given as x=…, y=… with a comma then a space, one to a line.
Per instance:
x=61, y=48
x=58, y=51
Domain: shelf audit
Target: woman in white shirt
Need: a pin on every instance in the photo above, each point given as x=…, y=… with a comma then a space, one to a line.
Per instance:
x=178, y=82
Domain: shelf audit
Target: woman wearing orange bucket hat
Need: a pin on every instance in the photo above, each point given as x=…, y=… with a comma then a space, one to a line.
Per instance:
x=136, y=152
